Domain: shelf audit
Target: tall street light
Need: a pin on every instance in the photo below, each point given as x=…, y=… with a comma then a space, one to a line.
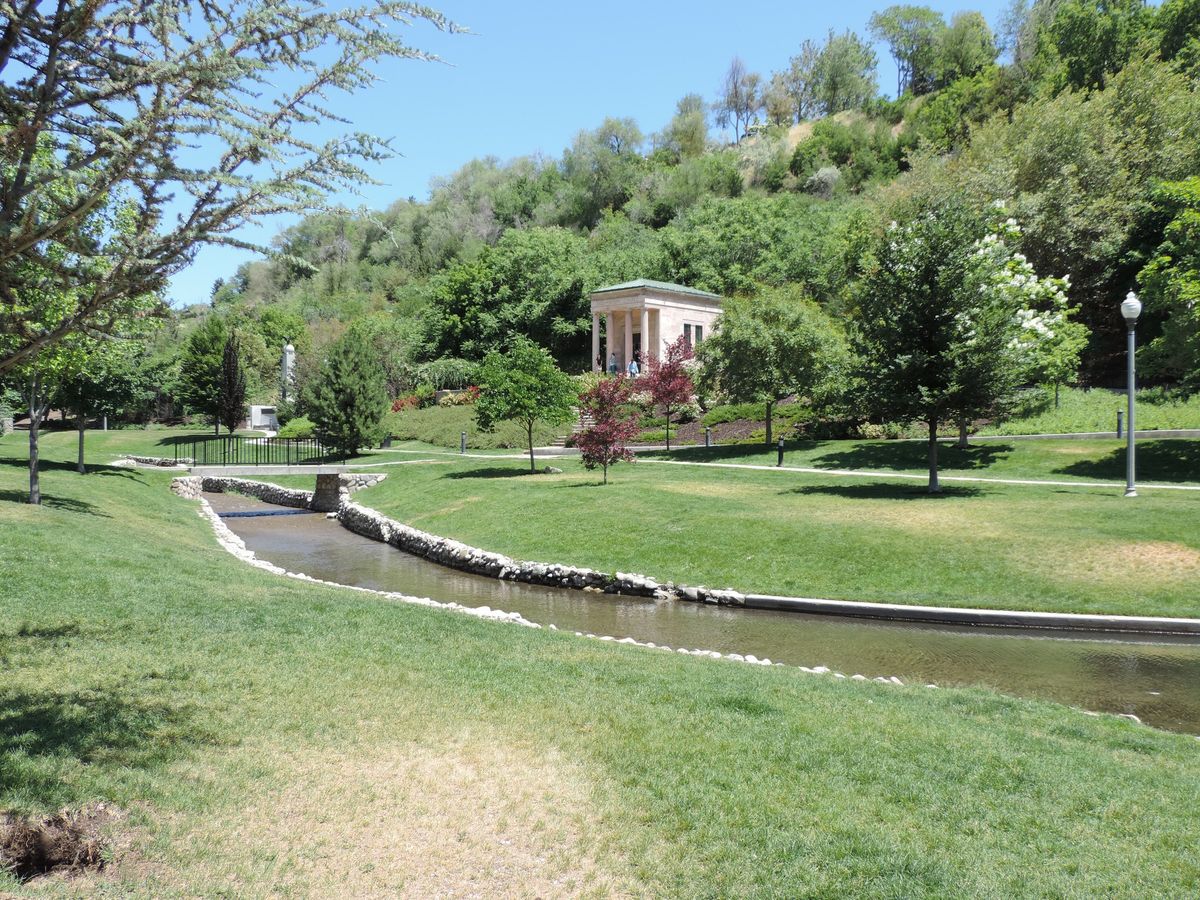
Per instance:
x=1131, y=308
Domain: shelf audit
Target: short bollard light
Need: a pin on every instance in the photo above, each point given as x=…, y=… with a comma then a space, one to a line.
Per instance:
x=707, y=436
x=1120, y=415
x=462, y=442
x=780, y=462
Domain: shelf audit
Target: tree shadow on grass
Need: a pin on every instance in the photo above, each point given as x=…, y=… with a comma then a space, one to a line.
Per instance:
x=729, y=452
x=103, y=728
x=56, y=465
x=488, y=472
x=64, y=503
x=908, y=455
x=884, y=491
x=1161, y=460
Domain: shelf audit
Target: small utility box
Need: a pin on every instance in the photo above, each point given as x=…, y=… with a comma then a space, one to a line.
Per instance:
x=262, y=418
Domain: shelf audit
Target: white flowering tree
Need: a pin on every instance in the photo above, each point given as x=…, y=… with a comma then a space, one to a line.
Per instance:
x=941, y=333
x=1048, y=341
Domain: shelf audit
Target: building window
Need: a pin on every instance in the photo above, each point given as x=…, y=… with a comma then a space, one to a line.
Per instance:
x=687, y=334
x=699, y=333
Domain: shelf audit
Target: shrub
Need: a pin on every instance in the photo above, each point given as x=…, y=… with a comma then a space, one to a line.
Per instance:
x=297, y=429
x=462, y=398
x=425, y=394
x=448, y=373
x=409, y=401
x=872, y=431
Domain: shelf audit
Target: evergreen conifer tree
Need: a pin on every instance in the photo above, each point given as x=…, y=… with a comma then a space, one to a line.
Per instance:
x=201, y=366
x=231, y=398
x=347, y=398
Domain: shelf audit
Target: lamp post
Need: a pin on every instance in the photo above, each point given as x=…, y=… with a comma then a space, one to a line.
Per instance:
x=1131, y=308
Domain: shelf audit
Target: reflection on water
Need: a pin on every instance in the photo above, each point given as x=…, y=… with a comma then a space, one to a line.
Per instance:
x=1156, y=679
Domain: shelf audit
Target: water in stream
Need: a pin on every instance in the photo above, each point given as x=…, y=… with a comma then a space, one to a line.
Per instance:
x=1154, y=678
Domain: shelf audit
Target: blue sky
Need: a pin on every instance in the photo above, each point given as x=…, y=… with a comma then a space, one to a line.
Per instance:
x=533, y=74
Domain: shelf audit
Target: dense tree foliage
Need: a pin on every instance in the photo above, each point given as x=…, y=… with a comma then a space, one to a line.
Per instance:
x=773, y=347
x=1073, y=112
x=1171, y=282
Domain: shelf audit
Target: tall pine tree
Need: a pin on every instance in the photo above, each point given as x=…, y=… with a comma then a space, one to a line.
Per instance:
x=347, y=398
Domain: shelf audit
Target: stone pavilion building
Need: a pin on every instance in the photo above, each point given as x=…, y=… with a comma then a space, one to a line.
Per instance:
x=642, y=317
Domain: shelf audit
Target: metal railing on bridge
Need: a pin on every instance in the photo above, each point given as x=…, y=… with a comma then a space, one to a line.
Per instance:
x=240, y=450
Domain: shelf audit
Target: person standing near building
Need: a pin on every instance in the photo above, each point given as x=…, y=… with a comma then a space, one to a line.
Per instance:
x=633, y=368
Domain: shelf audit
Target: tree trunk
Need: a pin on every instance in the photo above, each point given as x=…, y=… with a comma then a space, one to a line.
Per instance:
x=962, y=433
x=605, y=473
x=934, y=487
x=529, y=435
x=37, y=411
x=770, y=406
x=80, y=424
x=216, y=426
x=1056, y=395
x=668, y=429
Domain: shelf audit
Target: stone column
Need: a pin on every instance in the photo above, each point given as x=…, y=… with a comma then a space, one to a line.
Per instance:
x=628, y=339
x=328, y=494
x=645, y=339
x=609, y=336
x=596, y=341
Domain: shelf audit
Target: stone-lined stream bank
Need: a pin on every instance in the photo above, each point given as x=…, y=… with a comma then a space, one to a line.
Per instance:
x=1155, y=679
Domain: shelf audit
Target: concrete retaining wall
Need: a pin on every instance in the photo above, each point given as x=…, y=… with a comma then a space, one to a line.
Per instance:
x=457, y=555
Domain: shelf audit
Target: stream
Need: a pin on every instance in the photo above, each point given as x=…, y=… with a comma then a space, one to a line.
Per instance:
x=1156, y=678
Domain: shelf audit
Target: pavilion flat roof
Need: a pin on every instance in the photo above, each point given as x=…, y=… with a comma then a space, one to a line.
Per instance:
x=648, y=284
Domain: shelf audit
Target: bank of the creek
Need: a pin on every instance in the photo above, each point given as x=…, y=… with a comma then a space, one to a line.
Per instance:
x=1157, y=679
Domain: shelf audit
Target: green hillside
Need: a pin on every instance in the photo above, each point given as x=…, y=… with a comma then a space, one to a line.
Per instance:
x=1076, y=135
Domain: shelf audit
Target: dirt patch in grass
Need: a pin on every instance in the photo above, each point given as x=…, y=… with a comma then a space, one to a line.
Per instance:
x=713, y=489
x=466, y=820
x=1142, y=561
x=67, y=842
x=449, y=509
x=922, y=516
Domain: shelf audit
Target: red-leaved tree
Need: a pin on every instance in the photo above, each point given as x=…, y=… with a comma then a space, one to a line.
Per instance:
x=668, y=381
x=614, y=422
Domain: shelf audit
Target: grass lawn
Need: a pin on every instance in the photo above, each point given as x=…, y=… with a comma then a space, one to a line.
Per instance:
x=1014, y=547
x=271, y=737
x=1166, y=461
x=442, y=426
x=1096, y=410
